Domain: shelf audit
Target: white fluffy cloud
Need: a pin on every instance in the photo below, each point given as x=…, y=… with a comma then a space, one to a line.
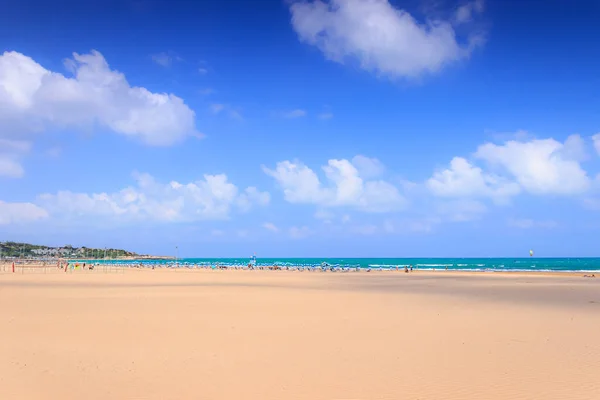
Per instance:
x=345, y=187
x=462, y=179
x=534, y=166
x=382, y=38
x=34, y=99
x=15, y=213
x=538, y=166
x=211, y=198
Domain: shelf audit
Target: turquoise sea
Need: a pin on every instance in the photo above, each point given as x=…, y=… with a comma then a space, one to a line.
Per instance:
x=466, y=264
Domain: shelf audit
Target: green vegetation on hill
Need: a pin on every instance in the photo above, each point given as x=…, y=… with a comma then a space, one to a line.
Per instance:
x=26, y=250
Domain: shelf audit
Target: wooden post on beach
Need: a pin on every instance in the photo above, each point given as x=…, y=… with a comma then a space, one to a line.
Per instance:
x=13, y=267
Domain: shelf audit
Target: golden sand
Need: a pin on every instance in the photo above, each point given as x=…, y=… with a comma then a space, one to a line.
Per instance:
x=166, y=334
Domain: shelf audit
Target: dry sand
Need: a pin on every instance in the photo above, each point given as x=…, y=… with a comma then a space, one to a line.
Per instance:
x=165, y=334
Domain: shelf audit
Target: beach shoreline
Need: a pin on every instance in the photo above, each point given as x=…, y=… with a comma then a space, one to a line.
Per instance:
x=32, y=266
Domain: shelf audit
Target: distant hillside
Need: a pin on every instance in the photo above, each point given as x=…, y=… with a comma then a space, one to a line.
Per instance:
x=26, y=250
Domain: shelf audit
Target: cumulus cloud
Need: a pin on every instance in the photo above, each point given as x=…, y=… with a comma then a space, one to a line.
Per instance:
x=538, y=166
x=34, y=99
x=16, y=213
x=462, y=179
x=211, y=198
x=382, y=38
x=534, y=166
x=344, y=187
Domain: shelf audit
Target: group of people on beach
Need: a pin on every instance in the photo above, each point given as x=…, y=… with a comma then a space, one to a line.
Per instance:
x=76, y=265
x=324, y=267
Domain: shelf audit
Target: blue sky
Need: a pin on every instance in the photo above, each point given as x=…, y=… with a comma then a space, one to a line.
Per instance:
x=301, y=128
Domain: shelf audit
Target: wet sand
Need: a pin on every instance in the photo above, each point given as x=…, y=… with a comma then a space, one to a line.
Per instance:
x=182, y=334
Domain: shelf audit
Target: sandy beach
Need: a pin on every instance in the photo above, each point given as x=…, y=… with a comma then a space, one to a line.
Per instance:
x=183, y=334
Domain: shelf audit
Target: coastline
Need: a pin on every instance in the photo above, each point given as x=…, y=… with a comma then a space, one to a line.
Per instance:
x=33, y=265
x=584, y=265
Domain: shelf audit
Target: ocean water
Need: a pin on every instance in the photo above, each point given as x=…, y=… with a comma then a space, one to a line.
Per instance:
x=465, y=264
